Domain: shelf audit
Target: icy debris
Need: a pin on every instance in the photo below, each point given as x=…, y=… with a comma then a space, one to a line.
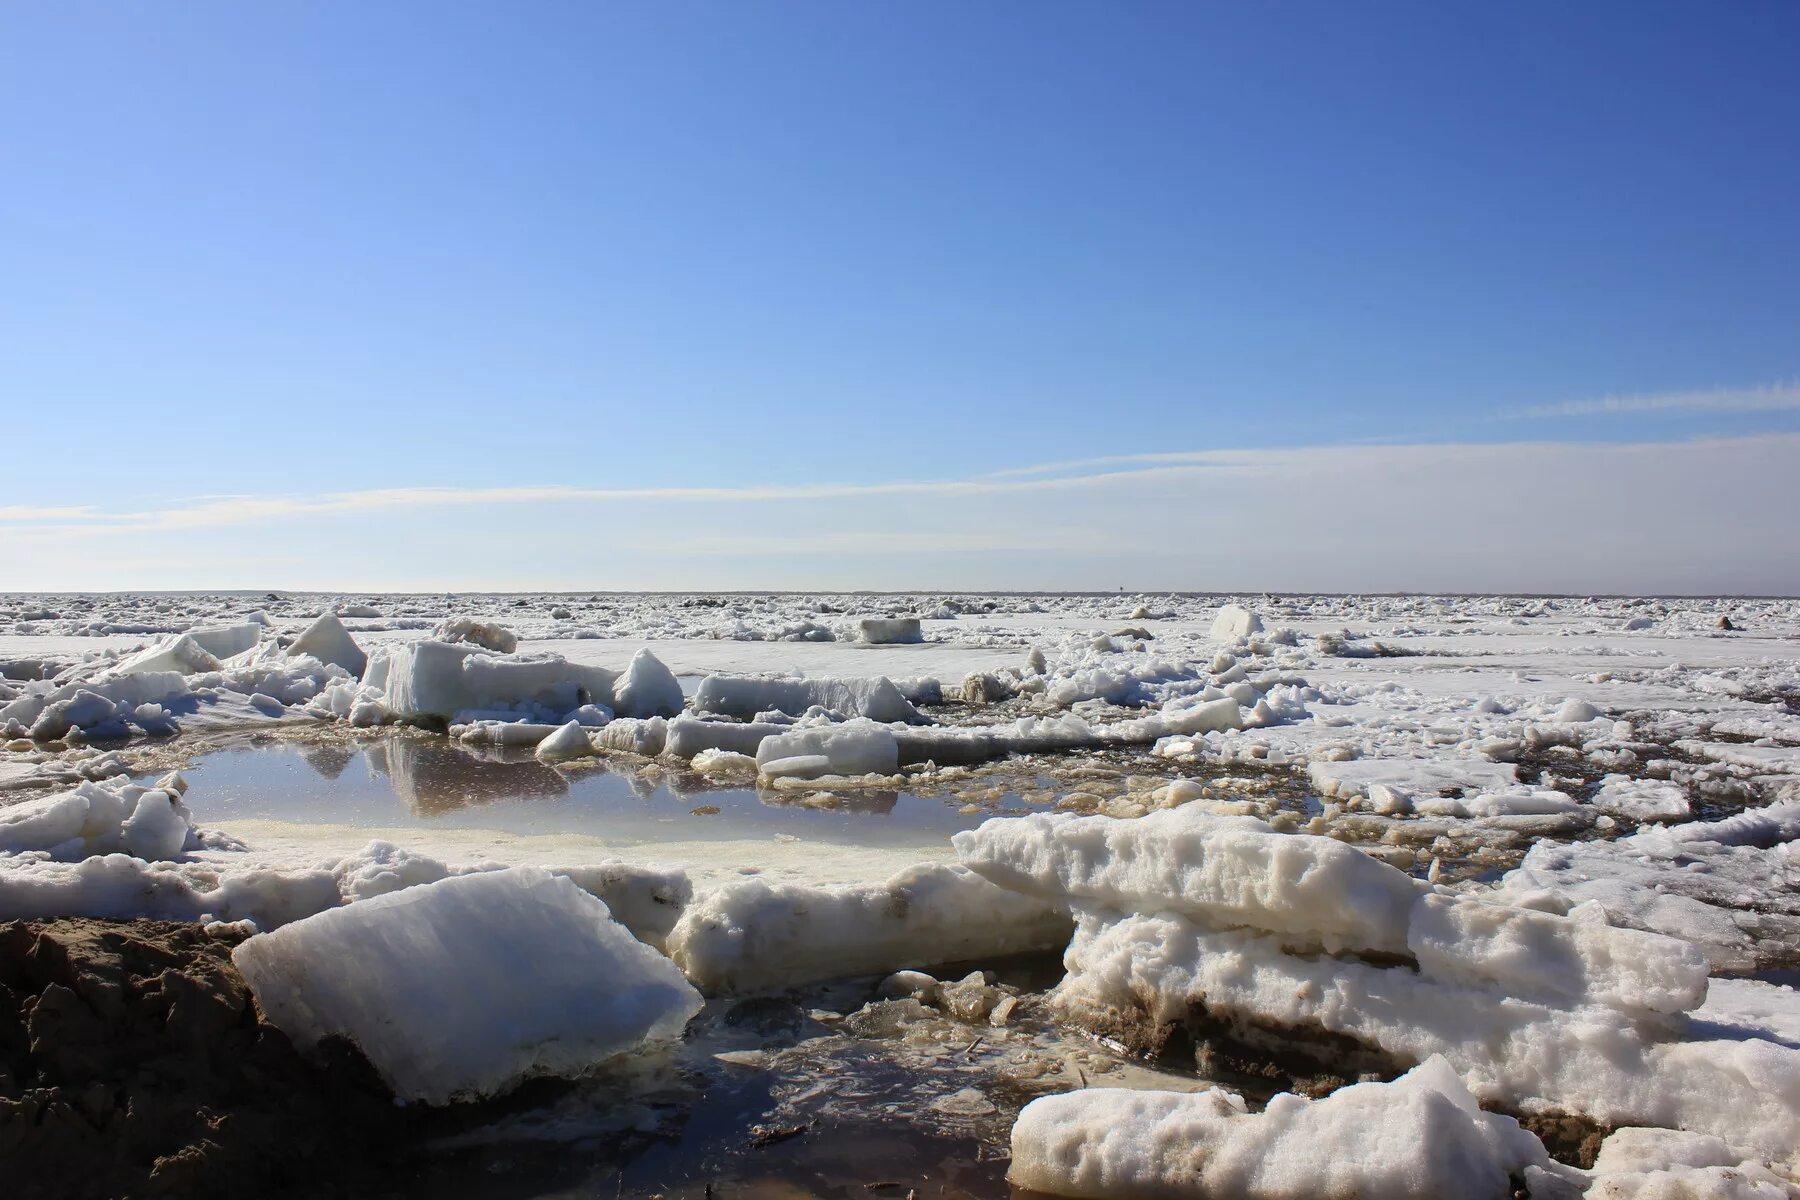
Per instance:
x=327, y=640
x=1576, y=711
x=1234, y=871
x=629, y=735
x=159, y=826
x=226, y=641
x=1540, y=956
x=1513, y=802
x=1642, y=799
x=795, y=766
x=690, y=736
x=874, y=697
x=489, y=732
x=463, y=988
x=570, y=741
x=985, y=688
x=1421, y=1137
x=1637, y=1163
x=858, y=747
x=647, y=688
x=86, y=712
x=441, y=679
x=1234, y=623
x=182, y=655
x=1182, y=911
x=648, y=900
x=887, y=631
x=909, y=985
x=1418, y=777
x=100, y=818
x=488, y=635
x=1140, y=974
x=757, y=935
x=1726, y=886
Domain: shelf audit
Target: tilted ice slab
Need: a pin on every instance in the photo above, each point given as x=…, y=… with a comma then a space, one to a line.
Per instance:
x=1420, y=1137
x=1318, y=893
x=227, y=641
x=1226, y=871
x=1139, y=974
x=875, y=697
x=327, y=640
x=754, y=935
x=463, y=988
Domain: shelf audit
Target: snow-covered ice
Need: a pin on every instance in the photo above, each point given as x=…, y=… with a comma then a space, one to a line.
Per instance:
x=1421, y=1137
x=464, y=987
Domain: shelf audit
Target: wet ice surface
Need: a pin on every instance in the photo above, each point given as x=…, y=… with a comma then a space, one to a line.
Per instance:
x=825, y=1091
x=418, y=781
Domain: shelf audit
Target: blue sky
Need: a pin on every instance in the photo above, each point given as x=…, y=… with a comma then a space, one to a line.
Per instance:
x=298, y=254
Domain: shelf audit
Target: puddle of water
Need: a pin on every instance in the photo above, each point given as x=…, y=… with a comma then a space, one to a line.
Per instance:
x=822, y=1111
x=423, y=782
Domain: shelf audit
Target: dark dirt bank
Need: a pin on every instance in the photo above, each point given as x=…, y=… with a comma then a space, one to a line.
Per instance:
x=133, y=1063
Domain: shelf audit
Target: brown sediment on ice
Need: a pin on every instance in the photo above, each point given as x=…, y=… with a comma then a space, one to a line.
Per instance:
x=133, y=1062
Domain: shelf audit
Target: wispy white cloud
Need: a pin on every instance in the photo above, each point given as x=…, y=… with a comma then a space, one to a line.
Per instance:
x=1189, y=457
x=216, y=512
x=881, y=541
x=1696, y=515
x=44, y=512
x=1772, y=397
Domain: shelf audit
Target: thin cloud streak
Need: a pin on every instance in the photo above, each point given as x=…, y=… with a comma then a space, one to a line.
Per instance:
x=1174, y=466
x=1773, y=397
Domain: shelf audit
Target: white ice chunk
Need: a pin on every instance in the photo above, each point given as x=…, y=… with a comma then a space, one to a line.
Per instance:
x=224, y=641
x=1234, y=623
x=431, y=678
x=689, y=736
x=1639, y=1163
x=646, y=688
x=875, y=697
x=463, y=988
x=630, y=735
x=1145, y=972
x=757, y=935
x=489, y=635
x=97, y=819
x=1540, y=955
x=327, y=640
x=887, y=631
x=158, y=827
x=181, y=654
x=854, y=748
x=1421, y=1137
x=570, y=741
x=1225, y=871
x=1642, y=799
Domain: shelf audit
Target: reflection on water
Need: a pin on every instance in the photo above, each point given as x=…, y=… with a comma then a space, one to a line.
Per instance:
x=802, y=1105
x=415, y=779
x=432, y=778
